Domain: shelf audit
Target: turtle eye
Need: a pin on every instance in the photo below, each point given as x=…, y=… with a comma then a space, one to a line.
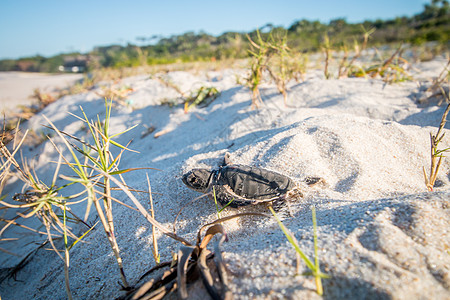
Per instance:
x=192, y=180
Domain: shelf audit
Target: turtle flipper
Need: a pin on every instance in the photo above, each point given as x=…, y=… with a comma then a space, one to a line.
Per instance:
x=312, y=181
x=293, y=195
x=227, y=160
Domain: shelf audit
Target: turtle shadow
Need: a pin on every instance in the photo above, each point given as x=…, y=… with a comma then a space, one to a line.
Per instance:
x=345, y=185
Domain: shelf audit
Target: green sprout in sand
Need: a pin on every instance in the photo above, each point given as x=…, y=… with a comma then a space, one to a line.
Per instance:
x=436, y=154
x=313, y=267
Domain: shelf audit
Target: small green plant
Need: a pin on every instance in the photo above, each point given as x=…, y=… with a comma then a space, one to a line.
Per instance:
x=284, y=65
x=346, y=65
x=326, y=48
x=41, y=201
x=259, y=54
x=314, y=267
x=436, y=154
x=298, y=64
x=392, y=69
x=97, y=171
x=202, y=97
x=47, y=203
x=98, y=160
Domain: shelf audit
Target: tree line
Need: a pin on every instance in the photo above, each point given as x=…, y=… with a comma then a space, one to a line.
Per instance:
x=432, y=24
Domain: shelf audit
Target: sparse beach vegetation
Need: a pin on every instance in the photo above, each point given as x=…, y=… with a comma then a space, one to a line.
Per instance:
x=46, y=202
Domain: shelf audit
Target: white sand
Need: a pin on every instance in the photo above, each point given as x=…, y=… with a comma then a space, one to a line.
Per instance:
x=381, y=235
x=17, y=87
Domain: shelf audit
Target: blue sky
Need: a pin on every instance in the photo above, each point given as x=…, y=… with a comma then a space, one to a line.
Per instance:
x=49, y=27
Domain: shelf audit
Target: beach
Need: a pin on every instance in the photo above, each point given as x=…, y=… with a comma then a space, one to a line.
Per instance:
x=381, y=234
x=17, y=87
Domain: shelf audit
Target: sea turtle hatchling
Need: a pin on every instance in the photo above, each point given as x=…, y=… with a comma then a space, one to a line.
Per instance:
x=240, y=185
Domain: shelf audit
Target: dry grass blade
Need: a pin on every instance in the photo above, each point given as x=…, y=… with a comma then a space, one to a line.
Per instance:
x=224, y=219
x=327, y=51
x=119, y=95
x=204, y=269
x=155, y=289
x=157, y=267
x=13, y=222
x=10, y=156
x=207, y=278
x=184, y=254
x=8, y=239
x=387, y=62
x=170, y=84
x=210, y=233
x=155, y=241
x=66, y=257
x=72, y=137
x=220, y=265
x=44, y=99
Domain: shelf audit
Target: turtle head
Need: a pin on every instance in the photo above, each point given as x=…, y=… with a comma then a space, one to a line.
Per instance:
x=197, y=179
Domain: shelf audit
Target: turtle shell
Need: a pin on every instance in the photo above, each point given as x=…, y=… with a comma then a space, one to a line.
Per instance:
x=249, y=183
